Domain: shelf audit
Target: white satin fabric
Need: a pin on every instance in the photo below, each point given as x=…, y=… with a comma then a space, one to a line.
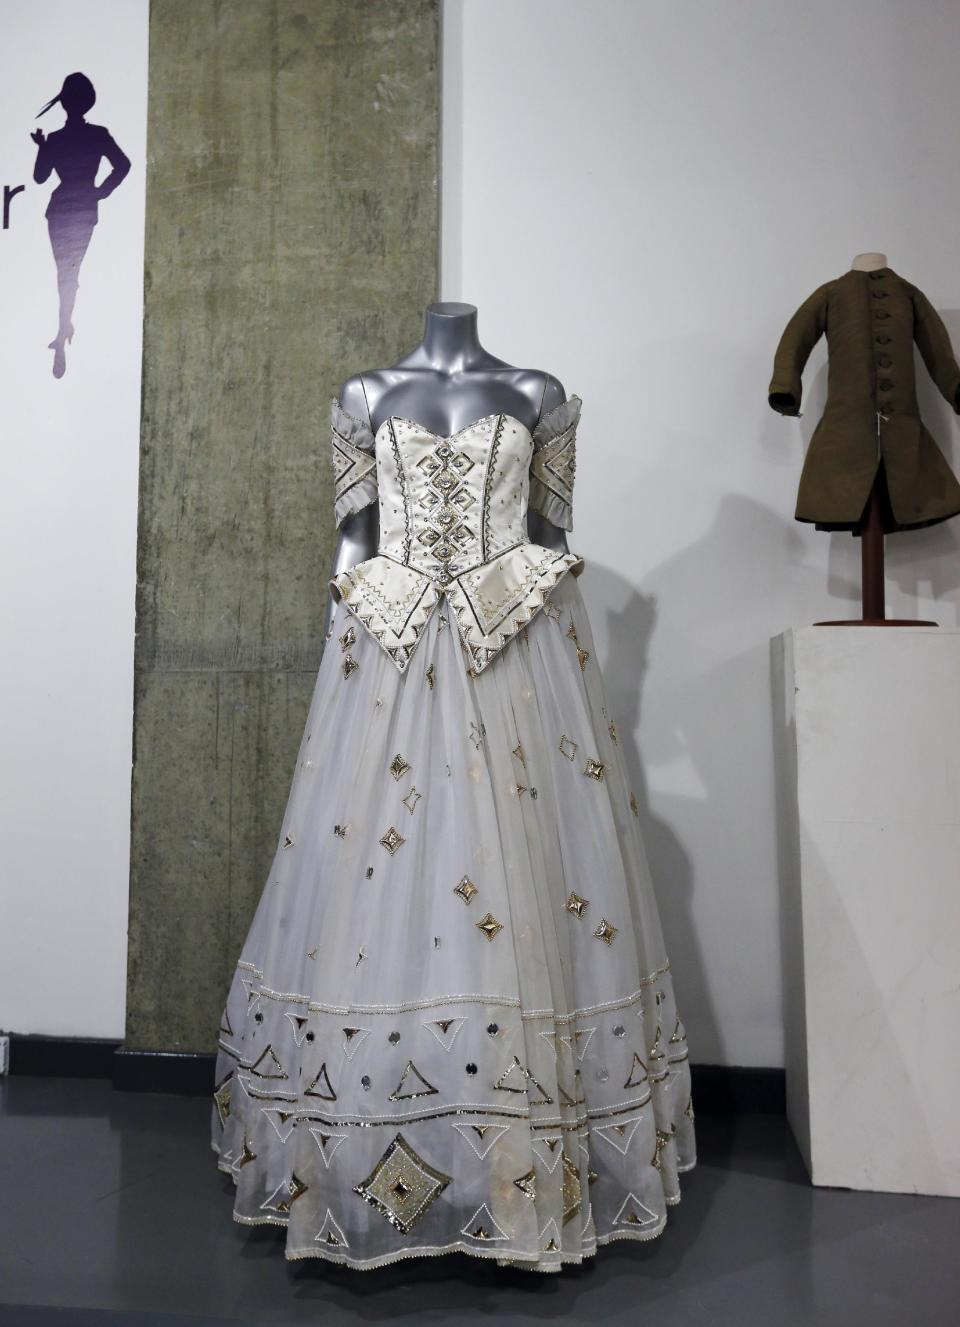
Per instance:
x=453, y=514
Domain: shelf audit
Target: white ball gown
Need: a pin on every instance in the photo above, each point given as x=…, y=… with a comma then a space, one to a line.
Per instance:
x=452, y=1025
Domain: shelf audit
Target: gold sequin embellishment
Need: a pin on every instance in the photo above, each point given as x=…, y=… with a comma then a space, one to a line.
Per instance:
x=606, y=932
x=399, y=766
x=577, y=905
x=402, y=1185
x=594, y=769
x=466, y=889
x=392, y=840
x=568, y=747
x=349, y=665
x=582, y=655
x=489, y=925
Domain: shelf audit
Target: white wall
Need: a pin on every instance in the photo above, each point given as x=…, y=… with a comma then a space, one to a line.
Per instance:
x=637, y=196
x=69, y=453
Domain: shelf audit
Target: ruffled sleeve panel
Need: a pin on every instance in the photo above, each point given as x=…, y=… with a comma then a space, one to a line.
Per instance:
x=354, y=462
x=553, y=463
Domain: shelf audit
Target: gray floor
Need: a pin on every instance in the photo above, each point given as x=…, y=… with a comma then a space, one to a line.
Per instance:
x=112, y=1202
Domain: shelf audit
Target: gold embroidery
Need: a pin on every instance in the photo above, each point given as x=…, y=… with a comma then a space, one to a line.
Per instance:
x=582, y=655
x=572, y=1192
x=477, y=1229
x=392, y=840
x=489, y=925
x=276, y=1069
x=466, y=889
x=411, y=1071
x=636, y=1064
x=663, y=1138
x=518, y=752
x=431, y=676
x=411, y=799
x=613, y=730
x=402, y=1185
x=348, y=638
x=349, y=665
x=565, y=743
x=606, y=932
x=633, y=805
x=399, y=766
x=222, y=1099
x=295, y=1187
x=527, y=1185
x=321, y=1086
x=594, y=769
x=577, y=905
x=527, y=1077
x=330, y=1233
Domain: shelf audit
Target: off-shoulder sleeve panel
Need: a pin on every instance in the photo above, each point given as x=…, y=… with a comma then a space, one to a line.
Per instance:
x=352, y=445
x=553, y=463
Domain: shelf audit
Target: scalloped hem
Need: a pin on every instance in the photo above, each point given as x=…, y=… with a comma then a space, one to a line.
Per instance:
x=527, y=1262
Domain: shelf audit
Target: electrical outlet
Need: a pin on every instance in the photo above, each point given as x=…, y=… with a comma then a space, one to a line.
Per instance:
x=4, y=1056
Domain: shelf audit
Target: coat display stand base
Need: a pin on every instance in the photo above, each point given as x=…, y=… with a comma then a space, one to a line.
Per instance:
x=867, y=740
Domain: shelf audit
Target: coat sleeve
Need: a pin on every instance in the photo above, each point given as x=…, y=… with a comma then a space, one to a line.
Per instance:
x=800, y=335
x=933, y=342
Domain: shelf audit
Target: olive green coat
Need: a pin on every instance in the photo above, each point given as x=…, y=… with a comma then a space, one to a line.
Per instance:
x=871, y=320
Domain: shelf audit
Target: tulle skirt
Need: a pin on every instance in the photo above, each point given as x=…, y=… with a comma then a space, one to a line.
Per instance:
x=452, y=1025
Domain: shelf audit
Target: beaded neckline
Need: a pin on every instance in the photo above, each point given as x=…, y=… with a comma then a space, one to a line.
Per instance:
x=448, y=437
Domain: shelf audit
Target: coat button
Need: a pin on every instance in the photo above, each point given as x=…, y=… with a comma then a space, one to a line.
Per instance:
x=879, y=294
x=876, y=276
x=884, y=361
x=885, y=384
x=883, y=338
x=881, y=313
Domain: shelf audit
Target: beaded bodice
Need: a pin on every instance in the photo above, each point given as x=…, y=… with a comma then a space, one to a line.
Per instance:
x=450, y=503
x=453, y=523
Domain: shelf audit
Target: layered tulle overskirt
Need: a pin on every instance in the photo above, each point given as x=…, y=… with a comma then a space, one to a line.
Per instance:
x=452, y=1025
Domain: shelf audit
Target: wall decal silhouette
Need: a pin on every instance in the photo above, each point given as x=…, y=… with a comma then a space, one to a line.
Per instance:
x=74, y=152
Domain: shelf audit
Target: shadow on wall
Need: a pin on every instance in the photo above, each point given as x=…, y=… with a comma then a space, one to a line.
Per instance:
x=630, y=629
x=713, y=751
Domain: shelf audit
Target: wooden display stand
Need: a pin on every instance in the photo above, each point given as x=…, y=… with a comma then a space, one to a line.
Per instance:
x=871, y=534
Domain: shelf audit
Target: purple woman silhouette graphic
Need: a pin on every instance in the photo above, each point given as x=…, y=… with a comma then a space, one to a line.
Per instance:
x=74, y=152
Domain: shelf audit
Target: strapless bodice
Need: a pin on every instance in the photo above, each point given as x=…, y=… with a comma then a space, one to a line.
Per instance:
x=453, y=522
x=448, y=504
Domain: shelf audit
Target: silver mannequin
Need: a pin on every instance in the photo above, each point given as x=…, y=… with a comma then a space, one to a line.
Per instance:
x=445, y=383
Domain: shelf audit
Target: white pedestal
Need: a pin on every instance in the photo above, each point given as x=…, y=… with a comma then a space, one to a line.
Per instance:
x=867, y=721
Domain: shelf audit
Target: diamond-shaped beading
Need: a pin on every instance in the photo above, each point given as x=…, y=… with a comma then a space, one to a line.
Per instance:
x=445, y=499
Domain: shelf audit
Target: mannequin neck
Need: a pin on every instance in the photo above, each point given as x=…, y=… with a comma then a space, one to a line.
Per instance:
x=450, y=343
x=868, y=262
